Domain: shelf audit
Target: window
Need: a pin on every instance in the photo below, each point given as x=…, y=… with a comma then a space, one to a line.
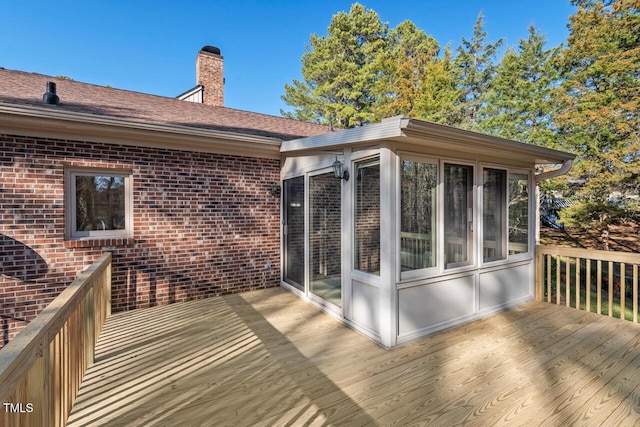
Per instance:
x=293, y=229
x=518, y=213
x=458, y=215
x=418, y=184
x=98, y=203
x=494, y=190
x=367, y=216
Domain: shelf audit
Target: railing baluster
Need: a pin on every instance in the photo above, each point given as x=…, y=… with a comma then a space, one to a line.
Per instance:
x=599, y=282
x=611, y=289
x=635, y=293
x=558, y=279
x=567, y=280
x=578, y=261
x=548, y=257
x=587, y=287
x=623, y=279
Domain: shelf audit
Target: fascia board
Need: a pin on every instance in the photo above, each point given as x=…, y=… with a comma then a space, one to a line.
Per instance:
x=386, y=129
x=41, y=122
x=419, y=132
x=469, y=140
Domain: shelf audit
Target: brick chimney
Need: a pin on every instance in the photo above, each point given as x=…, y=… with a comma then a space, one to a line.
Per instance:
x=209, y=74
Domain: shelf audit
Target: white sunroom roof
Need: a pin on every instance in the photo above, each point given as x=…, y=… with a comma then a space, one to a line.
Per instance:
x=420, y=132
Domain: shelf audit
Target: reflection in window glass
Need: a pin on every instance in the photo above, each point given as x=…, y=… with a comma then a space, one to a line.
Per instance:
x=100, y=203
x=493, y=207
x=325, y=237
x=367, y=216
x=293, y=211
x=458, y=214
x=418, y=215
x=518, y=213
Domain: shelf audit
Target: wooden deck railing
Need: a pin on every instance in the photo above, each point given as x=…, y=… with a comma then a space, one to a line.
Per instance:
x=42, y=367
x=597, y=281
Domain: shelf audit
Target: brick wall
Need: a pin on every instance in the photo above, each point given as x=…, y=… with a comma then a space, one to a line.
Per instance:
x=204, y=224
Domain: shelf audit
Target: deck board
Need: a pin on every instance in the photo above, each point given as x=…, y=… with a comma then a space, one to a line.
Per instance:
x=267, y=358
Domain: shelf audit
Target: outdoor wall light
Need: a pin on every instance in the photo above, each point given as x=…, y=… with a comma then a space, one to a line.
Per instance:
x=338, y=172
x=275, y=189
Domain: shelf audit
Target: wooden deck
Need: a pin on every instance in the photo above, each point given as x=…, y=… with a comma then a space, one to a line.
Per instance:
x=267, y=358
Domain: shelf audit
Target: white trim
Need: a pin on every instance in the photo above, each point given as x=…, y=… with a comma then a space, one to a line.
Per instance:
x=423, y=272
x=48, y=123
x=472, y=234
x=423, y=133
x=504, y=241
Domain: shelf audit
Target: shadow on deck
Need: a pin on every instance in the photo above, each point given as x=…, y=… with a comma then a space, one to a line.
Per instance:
x=267, y=358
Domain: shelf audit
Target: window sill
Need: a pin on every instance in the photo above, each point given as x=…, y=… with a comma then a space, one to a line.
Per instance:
x=99, y=242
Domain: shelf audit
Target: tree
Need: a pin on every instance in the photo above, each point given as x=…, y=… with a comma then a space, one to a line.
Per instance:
x=475, y=70
x=410, y=51
x=341, y=71
x=519, y=103
x=439, y=94
x=600, y=98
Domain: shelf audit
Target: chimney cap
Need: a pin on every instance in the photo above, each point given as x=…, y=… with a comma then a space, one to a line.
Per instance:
x=211, y=49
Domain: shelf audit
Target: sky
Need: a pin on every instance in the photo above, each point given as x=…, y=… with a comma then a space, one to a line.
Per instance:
x=150, y=46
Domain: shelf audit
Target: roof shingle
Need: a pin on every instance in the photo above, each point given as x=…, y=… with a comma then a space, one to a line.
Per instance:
x=22, y=88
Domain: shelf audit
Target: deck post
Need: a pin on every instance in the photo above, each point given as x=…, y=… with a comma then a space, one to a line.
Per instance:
x=539, y=268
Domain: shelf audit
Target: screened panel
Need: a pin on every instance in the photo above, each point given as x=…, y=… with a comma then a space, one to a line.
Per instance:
x=418, y=215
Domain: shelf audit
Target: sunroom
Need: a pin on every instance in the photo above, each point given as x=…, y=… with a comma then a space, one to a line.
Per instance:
x=403, y=228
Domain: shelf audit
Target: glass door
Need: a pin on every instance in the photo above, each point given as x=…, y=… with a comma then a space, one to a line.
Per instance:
x=325, y=268
x=293, y=229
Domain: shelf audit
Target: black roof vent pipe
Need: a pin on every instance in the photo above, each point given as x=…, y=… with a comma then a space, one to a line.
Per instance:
x=50, y=96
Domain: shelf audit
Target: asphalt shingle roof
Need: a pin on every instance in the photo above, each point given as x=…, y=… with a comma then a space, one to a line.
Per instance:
x=23, y=88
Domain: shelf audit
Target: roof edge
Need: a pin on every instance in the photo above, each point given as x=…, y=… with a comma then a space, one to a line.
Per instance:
x=387, y=128
x=400, y=128
x=48, y=123
x=421, y=128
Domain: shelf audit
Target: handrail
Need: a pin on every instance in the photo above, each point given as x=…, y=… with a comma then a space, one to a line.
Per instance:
x=42, y=367
x=585, y=278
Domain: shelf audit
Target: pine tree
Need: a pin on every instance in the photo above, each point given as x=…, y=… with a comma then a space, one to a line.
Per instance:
x=410, y=51
x=519, y=103
x=341, y=71
x=600, y=98
x=438, y=96
x=475, y=70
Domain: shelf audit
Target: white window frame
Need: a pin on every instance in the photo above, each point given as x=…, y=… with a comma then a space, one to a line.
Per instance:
x=472, y=233
x=71, y=233
x=363, y=158
x=505, y=213
x=530, y=212
x=430, y=271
